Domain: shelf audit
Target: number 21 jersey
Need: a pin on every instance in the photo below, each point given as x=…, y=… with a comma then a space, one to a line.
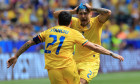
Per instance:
x=59, y=43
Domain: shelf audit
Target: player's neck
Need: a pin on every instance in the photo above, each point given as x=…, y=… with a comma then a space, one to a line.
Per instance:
x=65, y=25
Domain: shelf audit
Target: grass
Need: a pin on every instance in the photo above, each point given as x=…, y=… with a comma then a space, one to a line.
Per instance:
x=109, y=78
x=118, y=78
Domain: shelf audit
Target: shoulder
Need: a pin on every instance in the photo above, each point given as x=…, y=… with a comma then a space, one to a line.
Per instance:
x=75, y=22
x=75, y=32
x=95, y=20
x=75, y=19
x=48, y=30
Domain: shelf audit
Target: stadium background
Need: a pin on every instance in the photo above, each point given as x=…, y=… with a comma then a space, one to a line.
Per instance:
x=21, y=20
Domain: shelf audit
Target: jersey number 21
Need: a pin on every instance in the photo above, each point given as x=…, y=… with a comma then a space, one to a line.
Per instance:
x=61, y=39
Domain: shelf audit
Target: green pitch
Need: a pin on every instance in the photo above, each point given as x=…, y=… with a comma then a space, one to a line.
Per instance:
x=109, y=78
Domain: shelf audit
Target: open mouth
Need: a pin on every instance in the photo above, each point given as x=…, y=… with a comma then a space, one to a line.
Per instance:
x=84, y=21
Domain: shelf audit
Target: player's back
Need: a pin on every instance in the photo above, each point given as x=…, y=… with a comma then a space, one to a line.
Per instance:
x=58, y=47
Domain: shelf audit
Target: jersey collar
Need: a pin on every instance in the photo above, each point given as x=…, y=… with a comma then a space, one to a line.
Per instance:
x=87, y=27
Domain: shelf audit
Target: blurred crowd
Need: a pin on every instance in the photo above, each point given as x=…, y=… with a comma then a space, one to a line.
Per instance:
x=122, y=31
x=24, y=19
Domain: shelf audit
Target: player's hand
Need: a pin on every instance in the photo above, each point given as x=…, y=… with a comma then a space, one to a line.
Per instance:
x=118, y=57
x=88, y=6
x=75, y=9
x=12, y=61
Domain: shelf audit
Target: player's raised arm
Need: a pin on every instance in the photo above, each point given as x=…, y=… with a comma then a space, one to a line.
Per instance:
x=102, y=50
x=104, y=13
x=56, y=13
x=13, y=60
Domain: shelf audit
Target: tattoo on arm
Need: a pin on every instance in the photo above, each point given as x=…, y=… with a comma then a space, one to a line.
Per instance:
x=101, y=10
x=27, y=45
x=104, y=14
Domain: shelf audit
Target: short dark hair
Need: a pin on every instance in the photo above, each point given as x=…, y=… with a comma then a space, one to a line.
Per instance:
x=64, y=18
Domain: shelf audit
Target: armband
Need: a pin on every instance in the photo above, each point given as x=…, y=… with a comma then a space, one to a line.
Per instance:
x=37, y=39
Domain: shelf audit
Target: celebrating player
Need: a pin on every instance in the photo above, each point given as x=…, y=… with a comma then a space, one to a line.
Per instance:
x=87, y=60
x=59, y=43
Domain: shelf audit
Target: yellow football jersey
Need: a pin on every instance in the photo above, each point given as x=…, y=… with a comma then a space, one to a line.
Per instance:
x=92, y=32
x=59, y=43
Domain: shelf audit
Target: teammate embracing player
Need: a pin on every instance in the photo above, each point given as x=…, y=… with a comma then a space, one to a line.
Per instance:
x=59, y=42
x=87, y=61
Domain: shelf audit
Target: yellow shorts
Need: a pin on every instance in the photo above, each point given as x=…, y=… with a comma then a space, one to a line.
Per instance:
x=68, y=75
x=88, y=70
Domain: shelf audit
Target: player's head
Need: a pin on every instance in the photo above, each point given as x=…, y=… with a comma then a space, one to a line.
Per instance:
x=64, y=18
x=83, y=14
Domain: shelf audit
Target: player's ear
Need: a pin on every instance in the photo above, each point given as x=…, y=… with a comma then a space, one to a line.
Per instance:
x=70, y=22
x=91, y=13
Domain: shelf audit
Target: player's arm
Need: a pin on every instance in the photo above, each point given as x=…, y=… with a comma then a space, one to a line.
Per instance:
x=102, y=50
x=104, y=14
x=79, y=38
x=56, y=13
x=13, y=60
x=27, y=45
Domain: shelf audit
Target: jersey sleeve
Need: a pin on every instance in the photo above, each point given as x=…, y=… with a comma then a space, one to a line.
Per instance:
x=39, y=38
x=95, y=21
x=74, y=19
x=79, y=38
